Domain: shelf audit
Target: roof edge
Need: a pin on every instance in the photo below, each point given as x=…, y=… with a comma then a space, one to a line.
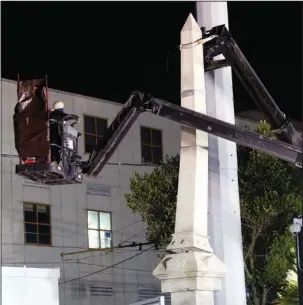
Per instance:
x=71, y=93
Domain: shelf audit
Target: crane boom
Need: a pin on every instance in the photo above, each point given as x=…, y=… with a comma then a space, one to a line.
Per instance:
x=287, y=147
x=140, y=102
x=224, y=44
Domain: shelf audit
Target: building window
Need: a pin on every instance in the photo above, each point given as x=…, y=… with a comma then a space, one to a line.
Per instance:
x=99, y=229
x=94, y=129
x=37, y=224
x=151, y=145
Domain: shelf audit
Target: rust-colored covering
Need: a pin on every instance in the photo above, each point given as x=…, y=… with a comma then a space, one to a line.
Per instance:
x=31, y=120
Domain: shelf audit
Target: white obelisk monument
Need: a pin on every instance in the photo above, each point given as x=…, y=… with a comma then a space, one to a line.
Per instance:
x=193, y=272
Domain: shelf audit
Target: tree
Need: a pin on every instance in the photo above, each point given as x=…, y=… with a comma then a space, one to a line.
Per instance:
x=269, y=197
x=153, y=195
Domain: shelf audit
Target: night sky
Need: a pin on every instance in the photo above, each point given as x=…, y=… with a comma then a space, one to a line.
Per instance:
x=108, y=49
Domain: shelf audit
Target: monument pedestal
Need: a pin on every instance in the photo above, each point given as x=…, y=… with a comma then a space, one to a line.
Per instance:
x=196, y=272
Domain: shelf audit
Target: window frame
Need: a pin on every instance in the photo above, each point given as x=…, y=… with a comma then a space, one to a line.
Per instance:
x=100, y=230
x=90, y=134
x=150, y=145
x=37, y=224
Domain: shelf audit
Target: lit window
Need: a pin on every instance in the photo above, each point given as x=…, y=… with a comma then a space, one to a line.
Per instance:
x=37, y=224
x=99, y=229
x=151, y=145
x=94, y=129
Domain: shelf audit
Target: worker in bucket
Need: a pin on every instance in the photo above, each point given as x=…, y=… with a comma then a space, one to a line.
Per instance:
x=56, y=115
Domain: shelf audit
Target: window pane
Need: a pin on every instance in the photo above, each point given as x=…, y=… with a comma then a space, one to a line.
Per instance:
x=30, y=228
x=44, y=239
x=44, y=230
x=99, y=139
x=106, y=239
x=92, y=220
x=89, y=125
x=157, y=137
x=31, y=238
x=145, y=135
x=146, y=154
x=43, y=214
x=30, y=212
x=157, y=155
x=101, y=126
x=93, y=239
x=105, y=221
x=90, y=143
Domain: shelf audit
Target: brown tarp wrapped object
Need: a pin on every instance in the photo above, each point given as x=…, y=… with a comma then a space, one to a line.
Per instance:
x=31, y=120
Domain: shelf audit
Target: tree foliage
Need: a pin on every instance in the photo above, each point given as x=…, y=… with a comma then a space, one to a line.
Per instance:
x=289, y=294
x=269, y=197
x=153, y=195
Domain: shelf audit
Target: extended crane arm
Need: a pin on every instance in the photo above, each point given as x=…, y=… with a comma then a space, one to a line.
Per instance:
x=114, y=134
x=218, y=41
x=223, y=43
x=140, y=102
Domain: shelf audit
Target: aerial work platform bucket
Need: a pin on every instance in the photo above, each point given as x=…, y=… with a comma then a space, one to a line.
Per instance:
x=39, y=135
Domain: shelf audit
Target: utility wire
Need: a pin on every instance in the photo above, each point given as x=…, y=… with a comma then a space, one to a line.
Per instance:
x=132, y=237
x=76, y=262
x=124, y=227
x=122, y=268
x=133, y=244
x=111, y=163
x=114, y=265
x=116, y=252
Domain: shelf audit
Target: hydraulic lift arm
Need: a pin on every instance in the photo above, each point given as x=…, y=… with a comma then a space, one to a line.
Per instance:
x=218, y=41
x=140, y=102
x=114, y=134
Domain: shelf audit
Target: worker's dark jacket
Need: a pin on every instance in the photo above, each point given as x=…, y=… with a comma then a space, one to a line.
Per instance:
x=55, y=137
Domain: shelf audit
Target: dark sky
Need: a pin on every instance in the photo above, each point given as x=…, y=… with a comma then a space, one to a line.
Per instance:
x=108, y=49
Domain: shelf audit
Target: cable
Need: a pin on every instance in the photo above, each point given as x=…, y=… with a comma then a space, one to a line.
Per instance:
x=76, y=262
x=110, y=163
x=196, y=42
x=66, y=252
x=114, y=265
x=109, y=249
x=122, y=268
x=116, y=252
x=132, y=236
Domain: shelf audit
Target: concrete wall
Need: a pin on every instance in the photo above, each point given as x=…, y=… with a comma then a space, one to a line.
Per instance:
x=69, y=205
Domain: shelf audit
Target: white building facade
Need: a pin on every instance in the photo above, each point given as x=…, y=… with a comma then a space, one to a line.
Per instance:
x=41, y=222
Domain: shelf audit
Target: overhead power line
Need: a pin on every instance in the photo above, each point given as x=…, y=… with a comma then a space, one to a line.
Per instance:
x=73, y=262
x=110, y=163
x=135, y=235
x=122, y=228
x=131, y=245
x=114, y=265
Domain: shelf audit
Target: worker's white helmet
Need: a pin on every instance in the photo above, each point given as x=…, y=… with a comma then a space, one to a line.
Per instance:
x=58, y=105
